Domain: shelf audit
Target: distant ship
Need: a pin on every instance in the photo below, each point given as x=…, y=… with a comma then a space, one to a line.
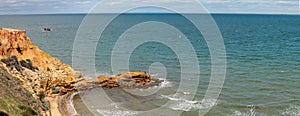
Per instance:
x=47, y=29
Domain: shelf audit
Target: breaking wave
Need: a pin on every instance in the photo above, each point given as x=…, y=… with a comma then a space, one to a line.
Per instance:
x=179, y=103
x=292, y=111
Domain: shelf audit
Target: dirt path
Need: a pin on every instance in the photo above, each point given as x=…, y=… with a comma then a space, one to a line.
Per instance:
x=53, y=106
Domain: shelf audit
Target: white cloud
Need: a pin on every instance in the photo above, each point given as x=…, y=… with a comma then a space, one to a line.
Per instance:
x=214, y=6
x=253, y=6
x=45, y=6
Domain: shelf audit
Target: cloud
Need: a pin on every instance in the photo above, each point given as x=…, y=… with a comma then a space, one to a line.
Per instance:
x=253, y=6
x=216, y=6
x=213, y=6
x=45, y=6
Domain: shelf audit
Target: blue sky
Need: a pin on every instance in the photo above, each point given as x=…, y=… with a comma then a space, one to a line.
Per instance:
x=213, y=6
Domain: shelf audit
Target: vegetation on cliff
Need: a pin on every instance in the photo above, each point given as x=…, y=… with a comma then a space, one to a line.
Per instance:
x=15, y=100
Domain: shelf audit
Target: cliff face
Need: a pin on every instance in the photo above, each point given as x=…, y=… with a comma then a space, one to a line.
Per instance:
x=16, y=43
x=39, y=72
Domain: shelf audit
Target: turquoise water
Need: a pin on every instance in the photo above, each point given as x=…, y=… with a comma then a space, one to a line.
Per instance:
x=263, y=59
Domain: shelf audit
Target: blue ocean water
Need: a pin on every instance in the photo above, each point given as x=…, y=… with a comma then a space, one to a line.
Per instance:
x=262, y=51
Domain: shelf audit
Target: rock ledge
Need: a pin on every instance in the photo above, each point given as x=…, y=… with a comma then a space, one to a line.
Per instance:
x=130, y=80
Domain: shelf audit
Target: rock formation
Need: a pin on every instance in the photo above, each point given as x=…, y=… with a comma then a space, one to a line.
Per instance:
x=130, y=80
x=39, y=72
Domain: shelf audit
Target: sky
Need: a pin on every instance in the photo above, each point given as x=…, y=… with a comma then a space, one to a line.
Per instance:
x=85, y=6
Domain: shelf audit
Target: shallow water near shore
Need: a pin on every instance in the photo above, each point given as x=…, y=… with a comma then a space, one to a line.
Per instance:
x=262, y=51
x=118, y=102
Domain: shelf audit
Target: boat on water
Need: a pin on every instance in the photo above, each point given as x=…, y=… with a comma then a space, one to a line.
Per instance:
x=47, y=29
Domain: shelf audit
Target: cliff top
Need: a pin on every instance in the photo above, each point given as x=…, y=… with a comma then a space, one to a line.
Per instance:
x=11, y=30
x=14, y=42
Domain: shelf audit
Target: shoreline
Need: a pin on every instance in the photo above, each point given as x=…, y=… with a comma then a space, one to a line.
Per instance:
x=66, y=106
x=62, y=105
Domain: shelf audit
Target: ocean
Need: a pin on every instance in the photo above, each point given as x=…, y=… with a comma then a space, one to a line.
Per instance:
x=262, y=61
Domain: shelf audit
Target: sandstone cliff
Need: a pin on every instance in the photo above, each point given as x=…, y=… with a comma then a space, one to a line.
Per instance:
x=39, y=73
x=49, y=76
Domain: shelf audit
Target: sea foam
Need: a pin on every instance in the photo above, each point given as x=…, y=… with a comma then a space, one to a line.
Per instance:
x=180, y=103
x=292, y=111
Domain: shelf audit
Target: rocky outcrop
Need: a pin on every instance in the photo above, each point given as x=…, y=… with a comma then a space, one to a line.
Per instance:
x=16, y=43
x=39, y=72
x=130, y=79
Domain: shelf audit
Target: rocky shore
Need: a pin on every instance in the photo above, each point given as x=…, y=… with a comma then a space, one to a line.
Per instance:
x=51, y=82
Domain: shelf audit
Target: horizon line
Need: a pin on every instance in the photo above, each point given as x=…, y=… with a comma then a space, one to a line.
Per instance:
x=148, y=13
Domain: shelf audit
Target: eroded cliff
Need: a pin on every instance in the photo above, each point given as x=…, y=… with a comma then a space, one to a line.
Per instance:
x=39, y=73
x=43, y=73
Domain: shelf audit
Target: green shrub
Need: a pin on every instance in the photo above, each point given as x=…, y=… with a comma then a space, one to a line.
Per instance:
x=46, y=104
x=27, y=111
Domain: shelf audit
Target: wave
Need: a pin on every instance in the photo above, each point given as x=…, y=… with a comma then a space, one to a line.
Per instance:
x=166, y=83
x=292, y=111
x=186, y=93
x=250, y=112
x=179, y=103
x=116, y=112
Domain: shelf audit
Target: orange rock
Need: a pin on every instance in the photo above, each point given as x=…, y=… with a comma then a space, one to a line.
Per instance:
x=129, y=79
x=102, y=79
x=52, y=72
